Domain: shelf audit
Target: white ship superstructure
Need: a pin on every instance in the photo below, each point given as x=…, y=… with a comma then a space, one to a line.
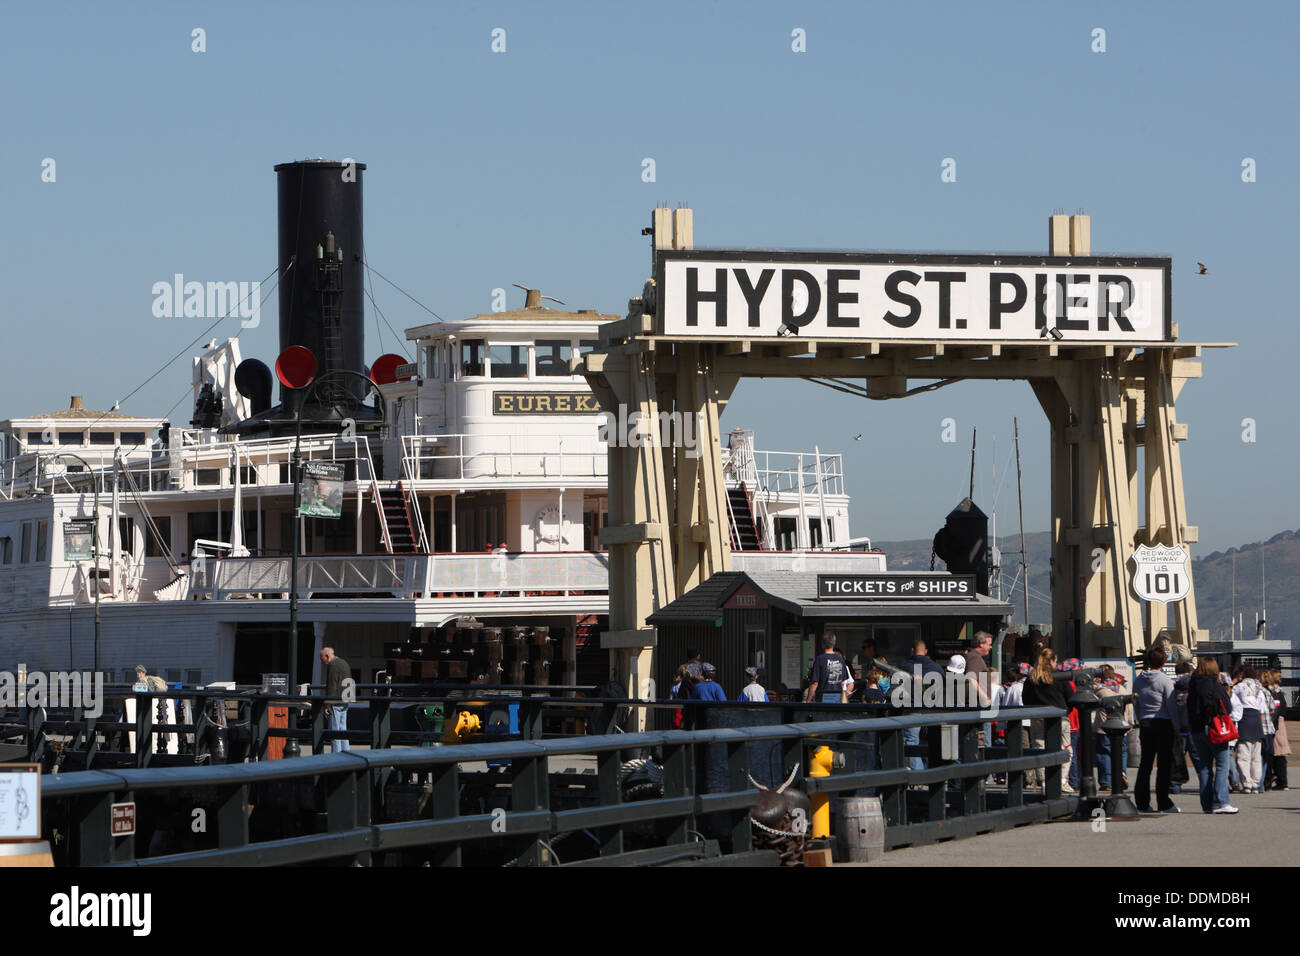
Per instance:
x=475, y=494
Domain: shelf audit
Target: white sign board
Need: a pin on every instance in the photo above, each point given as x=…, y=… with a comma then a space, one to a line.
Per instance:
x=905, y=296
x=1161, y=573
x=20, y=802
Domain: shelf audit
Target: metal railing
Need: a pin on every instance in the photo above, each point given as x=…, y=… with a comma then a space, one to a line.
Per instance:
x=484, y=455
x=705, y=787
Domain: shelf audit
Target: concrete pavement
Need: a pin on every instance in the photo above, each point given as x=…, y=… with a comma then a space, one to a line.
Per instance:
x=1265, y=833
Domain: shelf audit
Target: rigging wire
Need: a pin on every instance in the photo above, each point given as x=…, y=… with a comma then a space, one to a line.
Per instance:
x=401, y=290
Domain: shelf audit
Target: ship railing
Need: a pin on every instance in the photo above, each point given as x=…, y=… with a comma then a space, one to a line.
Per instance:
x=497, y=574
x=790, y=472
x=506, y=455
x=524, y=574
x=231, y=577
x=809, y=562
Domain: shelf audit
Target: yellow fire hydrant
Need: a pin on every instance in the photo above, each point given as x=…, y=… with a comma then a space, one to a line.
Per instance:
x=823, y=759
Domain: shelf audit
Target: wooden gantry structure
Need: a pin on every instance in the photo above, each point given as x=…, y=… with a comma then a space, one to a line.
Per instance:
x=1106, y=400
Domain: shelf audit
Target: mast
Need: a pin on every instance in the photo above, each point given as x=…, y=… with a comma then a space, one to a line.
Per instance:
x=1024, y=556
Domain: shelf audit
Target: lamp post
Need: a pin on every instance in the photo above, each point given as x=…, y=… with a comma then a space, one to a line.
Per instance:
x=291, y=748
x=94, y=536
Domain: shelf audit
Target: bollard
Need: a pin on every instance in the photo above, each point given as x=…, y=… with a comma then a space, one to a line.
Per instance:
x=820, y=766
x=1087, y=703
x=1118, y=806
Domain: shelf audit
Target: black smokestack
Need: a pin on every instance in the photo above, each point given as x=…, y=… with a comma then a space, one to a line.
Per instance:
x=321, y=304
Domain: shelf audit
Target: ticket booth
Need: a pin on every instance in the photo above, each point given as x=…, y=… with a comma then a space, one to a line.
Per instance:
x=774, y=620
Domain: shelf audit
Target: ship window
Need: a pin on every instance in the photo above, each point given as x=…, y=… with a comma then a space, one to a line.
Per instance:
x=103, y=438
x=207, y=476
x=126, y=534
x=71, y=438
x=25, y=554
x=6, y=550
x=471, y=357
x=586, y=345
x=553, y=357
x=509, y=361
x=814, y=532
x=173, y=675
x=248, y=475
x=37, y=438
x=131, y=439
x=431, y=369
x=42, y=541
x=152, y=547
x=193, y=676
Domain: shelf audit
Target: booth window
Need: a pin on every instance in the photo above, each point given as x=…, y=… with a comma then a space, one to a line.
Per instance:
x=553, y=356
x=25, y=555
x=509, y=361
x=131, y=439
x=6, y=550
x=42, y=541
x=71, y=438
x=471, y=357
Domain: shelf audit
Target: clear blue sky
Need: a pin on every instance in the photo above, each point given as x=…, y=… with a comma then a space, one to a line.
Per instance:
x=487, y=169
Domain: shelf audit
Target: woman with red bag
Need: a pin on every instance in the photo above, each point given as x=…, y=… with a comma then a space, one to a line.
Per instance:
x=1207, y=709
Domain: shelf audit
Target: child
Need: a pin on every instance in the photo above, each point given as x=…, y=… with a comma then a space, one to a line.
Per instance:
x=753, y=691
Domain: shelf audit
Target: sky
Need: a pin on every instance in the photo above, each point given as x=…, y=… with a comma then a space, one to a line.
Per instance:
x=488, y=168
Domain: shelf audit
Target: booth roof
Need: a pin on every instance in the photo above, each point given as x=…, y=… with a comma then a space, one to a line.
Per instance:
x=796, y=592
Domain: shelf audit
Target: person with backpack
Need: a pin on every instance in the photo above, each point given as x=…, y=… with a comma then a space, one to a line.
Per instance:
x=1207, y=704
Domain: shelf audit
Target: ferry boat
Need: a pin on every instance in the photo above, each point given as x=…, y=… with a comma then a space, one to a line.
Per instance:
x=473, y=496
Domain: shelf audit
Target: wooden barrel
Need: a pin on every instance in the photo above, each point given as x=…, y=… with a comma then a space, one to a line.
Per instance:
x=862, y=829
x=26, y=854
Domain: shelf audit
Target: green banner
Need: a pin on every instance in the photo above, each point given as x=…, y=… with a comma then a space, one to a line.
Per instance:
x=78, y=539
x=322, y=490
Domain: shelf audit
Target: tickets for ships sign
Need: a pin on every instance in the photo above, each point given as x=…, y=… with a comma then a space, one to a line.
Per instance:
x=903, y=296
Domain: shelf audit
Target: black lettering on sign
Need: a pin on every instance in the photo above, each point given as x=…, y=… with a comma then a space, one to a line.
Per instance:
x=999, y=308
x=694, y=296
x=788, y=278
x=1065, y=301
x=945, y=280
x=834, y=297
x=1040, y=300
x=903, y=298
x=754, y=293
x=1106, y=307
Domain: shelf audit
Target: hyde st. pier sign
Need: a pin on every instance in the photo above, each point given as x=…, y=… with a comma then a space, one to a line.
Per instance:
x=709, y=293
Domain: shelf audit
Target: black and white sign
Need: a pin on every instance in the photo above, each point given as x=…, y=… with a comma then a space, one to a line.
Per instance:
x=900, y=296
x=1160, y=573
x=908, y=587
x=20, y=801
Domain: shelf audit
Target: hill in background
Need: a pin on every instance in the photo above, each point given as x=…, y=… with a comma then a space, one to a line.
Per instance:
x=1212, y=574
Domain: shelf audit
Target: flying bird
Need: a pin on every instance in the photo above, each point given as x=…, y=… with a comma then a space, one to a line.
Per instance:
x=1201, y=270
x=857, y=437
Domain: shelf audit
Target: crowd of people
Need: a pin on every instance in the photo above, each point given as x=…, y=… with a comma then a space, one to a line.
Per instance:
x=1170, y=718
